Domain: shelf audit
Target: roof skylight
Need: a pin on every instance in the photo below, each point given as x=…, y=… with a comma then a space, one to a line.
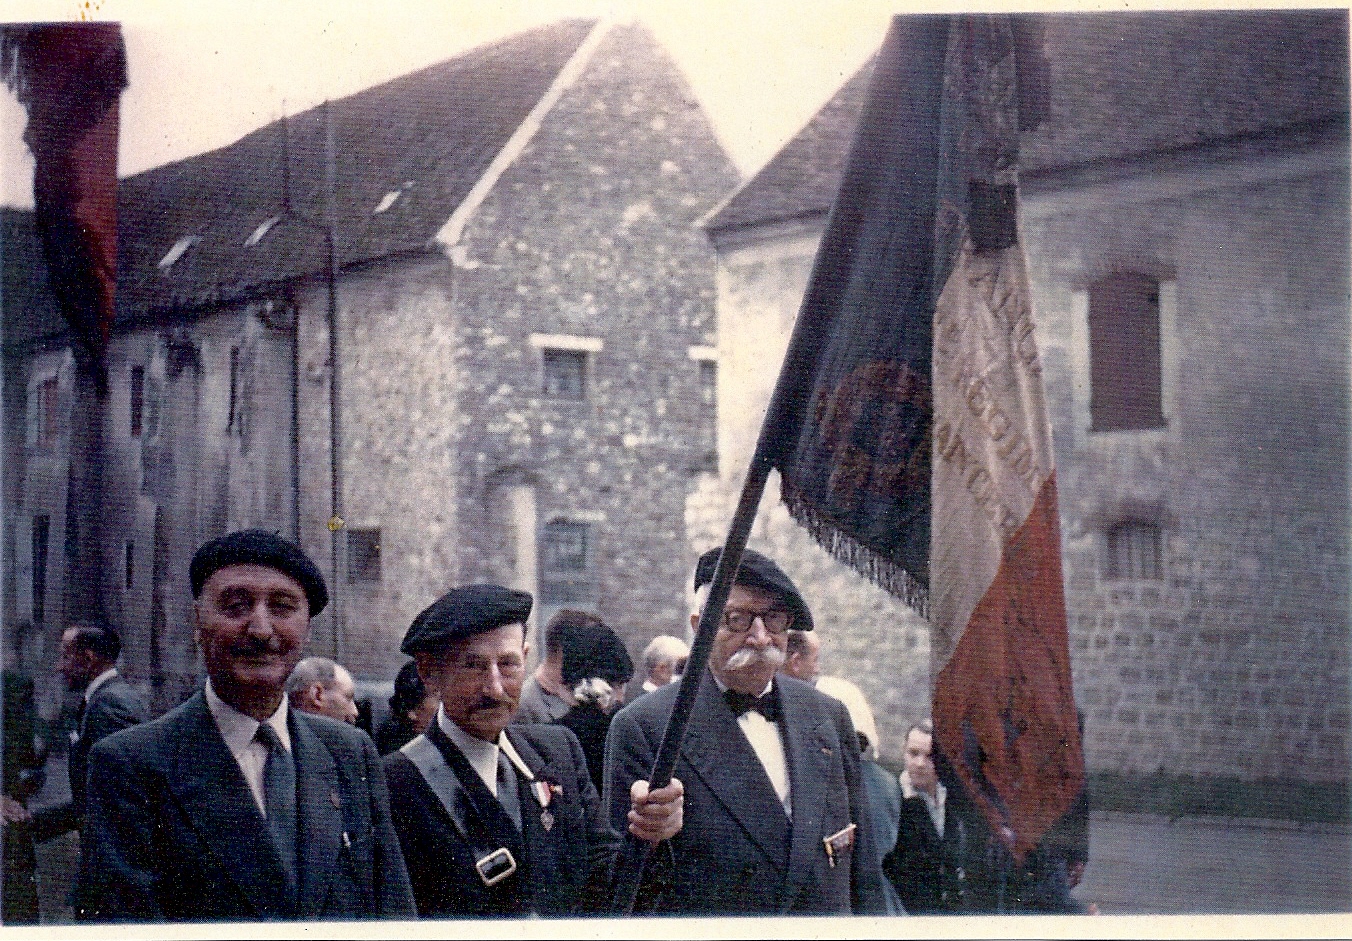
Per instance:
x=175, y=253
x=263, y=229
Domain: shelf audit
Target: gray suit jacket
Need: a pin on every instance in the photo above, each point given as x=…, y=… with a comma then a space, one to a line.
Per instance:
x=739, y=853
x=115, y=706
x=173, y=833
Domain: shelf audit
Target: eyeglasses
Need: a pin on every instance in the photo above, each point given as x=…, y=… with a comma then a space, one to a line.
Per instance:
x=776, y=620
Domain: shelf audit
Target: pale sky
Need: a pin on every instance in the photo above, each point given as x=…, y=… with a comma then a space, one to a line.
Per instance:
x=203, y=75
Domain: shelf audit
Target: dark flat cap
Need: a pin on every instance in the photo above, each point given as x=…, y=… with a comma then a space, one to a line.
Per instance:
x=259, y=547
x=464, y=612
x=756, y=571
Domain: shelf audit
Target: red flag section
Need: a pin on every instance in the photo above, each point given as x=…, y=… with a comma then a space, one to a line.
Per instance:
x=69, y=76
x=1004, y=710
x=909, y=424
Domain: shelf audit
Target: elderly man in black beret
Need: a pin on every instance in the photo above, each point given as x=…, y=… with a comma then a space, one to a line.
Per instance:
x=501, y=820
x=234, y=806
x=775, y=805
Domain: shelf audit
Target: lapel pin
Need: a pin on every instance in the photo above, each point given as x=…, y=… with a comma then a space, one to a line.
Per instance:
x=335, y=800
x=837, y=843
x=347, y=840
x=544, y=792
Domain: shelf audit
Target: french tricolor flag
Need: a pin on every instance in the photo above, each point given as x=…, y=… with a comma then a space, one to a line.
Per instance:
x=910, y=425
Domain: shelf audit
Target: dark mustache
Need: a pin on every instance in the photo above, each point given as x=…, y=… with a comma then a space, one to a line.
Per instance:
x=252, y=648
x=488, y=702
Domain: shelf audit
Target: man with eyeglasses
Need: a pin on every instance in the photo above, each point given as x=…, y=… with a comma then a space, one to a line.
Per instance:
x=774, y=807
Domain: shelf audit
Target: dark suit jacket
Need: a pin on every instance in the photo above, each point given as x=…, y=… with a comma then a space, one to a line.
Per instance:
x=562, y=870
x=926, y=870
x=114, y=706
x=738, y=853
x=173, y=832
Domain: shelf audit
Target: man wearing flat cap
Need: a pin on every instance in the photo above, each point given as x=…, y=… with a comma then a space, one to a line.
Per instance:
x=234, y=806
x=501, y=820
x=775, y=813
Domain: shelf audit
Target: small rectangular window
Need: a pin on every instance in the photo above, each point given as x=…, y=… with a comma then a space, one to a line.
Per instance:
x=1125, y=369
x=565, y=374
x=1134, y=551
x=41, y=532
x=363, y=555
x=137, y=389
x=48, y=414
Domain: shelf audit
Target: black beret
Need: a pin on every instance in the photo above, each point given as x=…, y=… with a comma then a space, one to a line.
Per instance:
x=464, y=612
x=596, y=651
x=259, y=547
x=756, y=571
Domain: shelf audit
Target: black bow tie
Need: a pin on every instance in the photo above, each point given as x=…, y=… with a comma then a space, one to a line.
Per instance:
x=767, y=705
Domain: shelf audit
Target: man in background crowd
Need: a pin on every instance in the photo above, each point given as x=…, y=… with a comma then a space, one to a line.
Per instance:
x=323, y=688
x=663, y=662
x=108, y=704
x=544, y=696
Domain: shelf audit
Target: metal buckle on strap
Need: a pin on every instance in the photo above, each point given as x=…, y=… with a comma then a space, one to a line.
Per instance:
x=496, y=866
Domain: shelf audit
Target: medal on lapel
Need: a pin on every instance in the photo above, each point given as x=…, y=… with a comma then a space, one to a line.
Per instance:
x=544, y=793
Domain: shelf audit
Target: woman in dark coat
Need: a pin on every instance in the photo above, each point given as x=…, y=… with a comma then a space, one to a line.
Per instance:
x=595, y=667
x=412, y=708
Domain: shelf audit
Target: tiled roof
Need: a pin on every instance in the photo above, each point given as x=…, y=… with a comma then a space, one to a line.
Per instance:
x=30, y=311
x=427, y=137
x=1123, y=85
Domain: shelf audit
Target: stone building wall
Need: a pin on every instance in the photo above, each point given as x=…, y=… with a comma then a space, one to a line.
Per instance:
x=1237, y=655
x=1235, y=662
x=590, y=236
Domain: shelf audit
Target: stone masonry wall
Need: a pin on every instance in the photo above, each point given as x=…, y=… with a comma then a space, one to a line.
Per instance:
x=590, y=233
x=1236, y=662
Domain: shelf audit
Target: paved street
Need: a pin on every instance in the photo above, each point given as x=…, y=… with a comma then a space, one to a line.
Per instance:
x=1142, y=864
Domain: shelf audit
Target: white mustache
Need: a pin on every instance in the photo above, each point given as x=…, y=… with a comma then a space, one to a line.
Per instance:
x=749, y=656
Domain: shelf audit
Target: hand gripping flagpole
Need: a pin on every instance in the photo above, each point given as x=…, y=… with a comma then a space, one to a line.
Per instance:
x=636, y=852
x=778, y=433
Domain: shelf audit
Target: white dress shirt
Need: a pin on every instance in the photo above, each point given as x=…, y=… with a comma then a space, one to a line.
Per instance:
x=763, y=737
x=482, y=756
x=935, y=804
x=239, y=730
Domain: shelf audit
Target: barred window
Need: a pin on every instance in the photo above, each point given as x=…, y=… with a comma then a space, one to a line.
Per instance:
x=1134, y=551
x=565, y=374
x=565, y=548
x=566, y=565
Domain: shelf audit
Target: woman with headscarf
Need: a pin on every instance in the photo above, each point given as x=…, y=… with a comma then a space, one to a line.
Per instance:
x=595, y=668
